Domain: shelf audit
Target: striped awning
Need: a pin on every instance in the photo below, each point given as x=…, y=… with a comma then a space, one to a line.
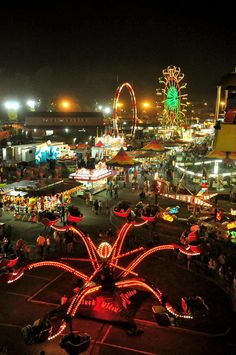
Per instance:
x=154, y=146
x=122, y=159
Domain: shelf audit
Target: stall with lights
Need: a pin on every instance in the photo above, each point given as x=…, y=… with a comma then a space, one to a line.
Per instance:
x=92, y=180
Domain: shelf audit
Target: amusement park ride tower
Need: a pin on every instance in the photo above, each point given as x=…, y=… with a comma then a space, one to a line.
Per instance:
x=228, y=84
x=225, y=135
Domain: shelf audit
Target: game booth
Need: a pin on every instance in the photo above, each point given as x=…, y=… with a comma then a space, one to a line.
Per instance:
x=92, y=180
x=27, y=199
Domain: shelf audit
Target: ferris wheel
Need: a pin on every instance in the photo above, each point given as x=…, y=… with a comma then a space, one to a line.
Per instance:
x=173, y=96
x=134, y=108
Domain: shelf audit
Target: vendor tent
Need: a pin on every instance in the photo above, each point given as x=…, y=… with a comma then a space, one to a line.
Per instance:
x=154, y=146
x=122, y=159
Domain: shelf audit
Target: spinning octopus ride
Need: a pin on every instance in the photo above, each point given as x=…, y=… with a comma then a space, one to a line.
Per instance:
x=107, y=275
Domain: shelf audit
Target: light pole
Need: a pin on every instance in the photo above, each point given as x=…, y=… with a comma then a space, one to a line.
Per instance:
x=222, y=103
x=12, y=108
x=31, y=104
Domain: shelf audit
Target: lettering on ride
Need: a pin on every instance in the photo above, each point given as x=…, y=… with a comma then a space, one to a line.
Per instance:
x=88, y=302
x=125, y=297
x=110, y=307
x=102, y=304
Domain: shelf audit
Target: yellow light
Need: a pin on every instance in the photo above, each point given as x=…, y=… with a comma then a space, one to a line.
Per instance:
x=65, y=104
x=231, y=225
x=146, y=104
x=222, y=105
x=119, y=104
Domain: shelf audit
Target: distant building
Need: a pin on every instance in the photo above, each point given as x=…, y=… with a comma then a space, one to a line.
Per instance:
x=50, y=123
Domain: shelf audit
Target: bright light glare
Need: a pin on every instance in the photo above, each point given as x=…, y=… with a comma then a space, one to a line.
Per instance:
x=12, y=105
x=119, y=104
x=65, y=104
x=146, y=104
x=107, y=110
x=31, y=104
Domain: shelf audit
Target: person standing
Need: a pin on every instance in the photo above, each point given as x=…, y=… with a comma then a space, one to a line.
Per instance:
x=48, y=245
x=6, y=244
x=96, y=206
x=1, y=208
x=91, y=199
x=58, y=241
x=100, y=205
x=40, y=243
x=69, y=241
x=64, y=299
x=107, y=207
x=62, y=213
x=116, y=191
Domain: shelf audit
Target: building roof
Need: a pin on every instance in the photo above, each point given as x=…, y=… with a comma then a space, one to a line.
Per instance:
x=64, y=114
x=228, y=80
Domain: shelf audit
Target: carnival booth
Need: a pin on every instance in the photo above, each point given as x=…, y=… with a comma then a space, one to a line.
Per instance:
x=123, y=160
x=154, y=146
x=53, y=151
x=230, y=231
x=98, y=150
x=106, y=145
x=28, y=200
x=92, y=180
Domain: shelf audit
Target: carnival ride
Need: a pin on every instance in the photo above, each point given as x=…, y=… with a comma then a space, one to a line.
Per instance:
x=144, y=211
x=134, y=108
x=108, y=274
x=172, y=97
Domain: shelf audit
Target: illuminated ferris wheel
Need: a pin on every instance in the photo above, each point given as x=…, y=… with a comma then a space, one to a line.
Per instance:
x=173, y=96
x=134, y=108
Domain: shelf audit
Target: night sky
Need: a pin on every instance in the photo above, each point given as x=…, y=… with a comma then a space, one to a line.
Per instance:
x=87, y=51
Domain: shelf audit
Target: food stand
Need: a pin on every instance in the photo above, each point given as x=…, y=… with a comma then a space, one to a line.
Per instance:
x=92, y=180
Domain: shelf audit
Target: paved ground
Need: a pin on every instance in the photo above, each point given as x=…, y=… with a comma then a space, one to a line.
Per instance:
x=40, y=290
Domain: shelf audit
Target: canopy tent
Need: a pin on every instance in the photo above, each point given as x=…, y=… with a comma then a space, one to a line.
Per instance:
x=154, y=146
x=146, y=154
x=99, y=144
x=122, y=159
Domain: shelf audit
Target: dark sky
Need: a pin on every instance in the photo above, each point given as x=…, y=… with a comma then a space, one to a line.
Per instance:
x=83, y=51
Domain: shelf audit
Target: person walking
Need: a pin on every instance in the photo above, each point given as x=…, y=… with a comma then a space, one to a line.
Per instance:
x=96, y=206
x=48, y=245
x=40, y=243
x=100, y=205
x=6, y=244
x=64, y=299
x=1, y=208
x=62, y=213
x=116, y=191
x=26, y=250
x=91, y=199
x=69, y=241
